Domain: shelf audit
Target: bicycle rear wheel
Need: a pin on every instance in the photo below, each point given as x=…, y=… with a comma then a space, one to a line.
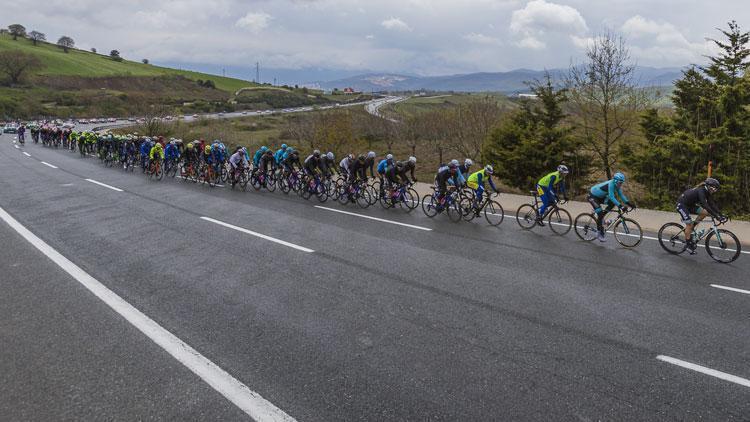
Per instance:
x=585, y=226
x=494, y=213
x=672, y=238
x=271, y=182
x=628, y=232
x=364, y=198
x=429, y=205
x=560, y=221
x=411, y=200
x=455, y=212
x=724, y=247
x=526, y=216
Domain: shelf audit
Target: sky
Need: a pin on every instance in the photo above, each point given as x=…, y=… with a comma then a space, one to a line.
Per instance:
x=422, y=37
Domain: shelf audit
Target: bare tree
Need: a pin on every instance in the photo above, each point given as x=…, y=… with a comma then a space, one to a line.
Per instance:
x=16, y=64
x=36, y=36
x=604, y=97
x=17, y=30
x=470, y=124
x=302, y=128
x=66, y=43
x=154, y=122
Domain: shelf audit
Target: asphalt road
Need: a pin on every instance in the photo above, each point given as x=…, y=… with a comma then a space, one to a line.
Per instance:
x=350, y=318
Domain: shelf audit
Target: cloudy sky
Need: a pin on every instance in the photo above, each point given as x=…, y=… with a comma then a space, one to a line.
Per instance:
x=426, y=37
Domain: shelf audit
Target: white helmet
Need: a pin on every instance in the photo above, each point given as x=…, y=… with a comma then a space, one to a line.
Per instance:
x=488, y=169
x=330, y=155
x=468, y=162
x=389, y=157
x=454, y=163
x=413, y=159
x=371, y=154
x=563, y=169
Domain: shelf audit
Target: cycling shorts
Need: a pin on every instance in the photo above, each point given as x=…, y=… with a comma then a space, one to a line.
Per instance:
x=685, y=212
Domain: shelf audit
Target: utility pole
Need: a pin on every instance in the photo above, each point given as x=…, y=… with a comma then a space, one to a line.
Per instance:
x=257, y=72
x=223, y=72
x=274, y=81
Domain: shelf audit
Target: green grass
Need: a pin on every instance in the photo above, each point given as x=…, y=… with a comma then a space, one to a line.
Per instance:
x=416, y=105
x=86, y=64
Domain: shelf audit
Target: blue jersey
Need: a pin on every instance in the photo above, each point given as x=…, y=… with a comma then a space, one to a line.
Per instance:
x=609, y=190
x=279, y=155
x=383, y=166
x=256, y=157
x=171, y=151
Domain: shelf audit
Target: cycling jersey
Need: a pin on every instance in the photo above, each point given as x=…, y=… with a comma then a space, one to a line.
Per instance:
x=238, y=158
x=383, y=165
x=157, y=151
x=370, y=163
x=279, y=155
x=311, y=164
x=610, y=191
x=256, y=157
x=171, y=151
x=266, y=162
x=477, y=179
x=357, y=171
x=692, y=200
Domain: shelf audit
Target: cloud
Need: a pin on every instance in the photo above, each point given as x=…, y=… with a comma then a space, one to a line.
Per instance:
x=539, y=19
x=661, y=40
x=395, y=24
x=369, y=37
x=477, y=38
x=254, y=21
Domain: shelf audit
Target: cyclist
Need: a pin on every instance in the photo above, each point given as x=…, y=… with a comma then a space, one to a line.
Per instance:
x=128, y=150
x=410, y=166
x=172, y=153
x=698, y=200
x=191, y=155
x=206, y=156
x=266, y=162
x=465, y=170
x=327, y=165
x=279, y=154
x=476, y=181
x=238, y=161
x=443, y=176
x=311, y=164
x=344, y=166
x=396, y=175
x=145, y=150
x=259, y=153
x=549, y=187
x=156, y=153
x=610, y=193
x=357, y=170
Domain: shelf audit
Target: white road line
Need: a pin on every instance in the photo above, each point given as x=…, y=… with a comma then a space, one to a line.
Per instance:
x=185, y=178
x=26, y=154
x=262, y=236
x=104, y=184
x=232, y=389
x=731, y=289
x=375, y=218
x=708, y=371
x=16, y=146
x=48, y=164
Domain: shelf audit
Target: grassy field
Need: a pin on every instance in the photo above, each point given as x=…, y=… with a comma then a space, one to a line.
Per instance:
x=416, y=105
x=86, y=64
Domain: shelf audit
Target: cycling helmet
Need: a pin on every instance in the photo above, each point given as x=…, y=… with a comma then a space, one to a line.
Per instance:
x=350, y=156
x=361, y=157
x=413, y=159
x=468, y=162
x=216, y=141
x=389, y=157
x=283, y=146
x=619, y=177
x=454, y=163
x=712, y=184
x=269, y=152
x=371, y=154
x=316, y=153
x=488, y=169
x=207, y=149
x=330, y=155
x=190, y=146
x=172, y=142
x=563, y=169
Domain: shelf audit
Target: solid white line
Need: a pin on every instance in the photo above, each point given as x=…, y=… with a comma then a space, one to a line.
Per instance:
x=16, y=146
x=704, y=370
x=732, y=289
x=262, y=236
x=374, y=218
x=104, y=184
x=232, y=389
x=48, y=164
x=26, y=154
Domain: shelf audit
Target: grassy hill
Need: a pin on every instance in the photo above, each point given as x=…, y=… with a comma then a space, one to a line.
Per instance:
x=81, y=63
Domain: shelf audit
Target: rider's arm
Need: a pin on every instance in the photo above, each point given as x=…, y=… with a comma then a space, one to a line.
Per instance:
x=489, y=179
x=612, y=193
x=708, y=204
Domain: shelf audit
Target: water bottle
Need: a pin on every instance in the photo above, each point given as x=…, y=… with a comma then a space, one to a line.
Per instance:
x=698, y=234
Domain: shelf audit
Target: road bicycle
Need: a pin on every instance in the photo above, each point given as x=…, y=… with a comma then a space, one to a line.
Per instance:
x=170, y=166
x=721, y=244
x=627, y=231
x=355, y=192
x=314, y=186
x=155, y=169
x=290, y=182
x=403, y=196
x=431, y=206
x=493, y=211
x=558, y=219
x=260, y=179
x=239, y=177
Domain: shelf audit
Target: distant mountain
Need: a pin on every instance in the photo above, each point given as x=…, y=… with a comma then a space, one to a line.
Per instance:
x=506, y=82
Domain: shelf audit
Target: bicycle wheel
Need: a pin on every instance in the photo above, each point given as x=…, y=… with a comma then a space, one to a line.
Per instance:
x=386, y=201
x=429, y=206
x=672, y=238
x=585, y=225
x=271, y=183
x=255, y=181
x=411, y=200
x=372, y=194
x=526, y=216
x=468, y=212
x=494, y=213
x=628, y=232
x=364, y=199
x=559, y=221
x=455, y=212
x=723, y=247
x=322, y=192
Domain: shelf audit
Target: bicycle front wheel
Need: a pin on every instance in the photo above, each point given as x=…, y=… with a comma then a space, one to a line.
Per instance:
x=672, y=238
x=429, y=205
x=585, y=226
x=493, y=213
x=628, y=232
x=364, y=198
x=455, y=212
x=559, y=221
x=526, y=216
x=723, y=246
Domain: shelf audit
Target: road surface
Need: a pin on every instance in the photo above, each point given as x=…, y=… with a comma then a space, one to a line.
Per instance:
x=285, y=309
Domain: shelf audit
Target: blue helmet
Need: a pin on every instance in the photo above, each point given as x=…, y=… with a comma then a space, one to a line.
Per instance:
x=619, y=177
x=283, y=146
x=264, y=148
